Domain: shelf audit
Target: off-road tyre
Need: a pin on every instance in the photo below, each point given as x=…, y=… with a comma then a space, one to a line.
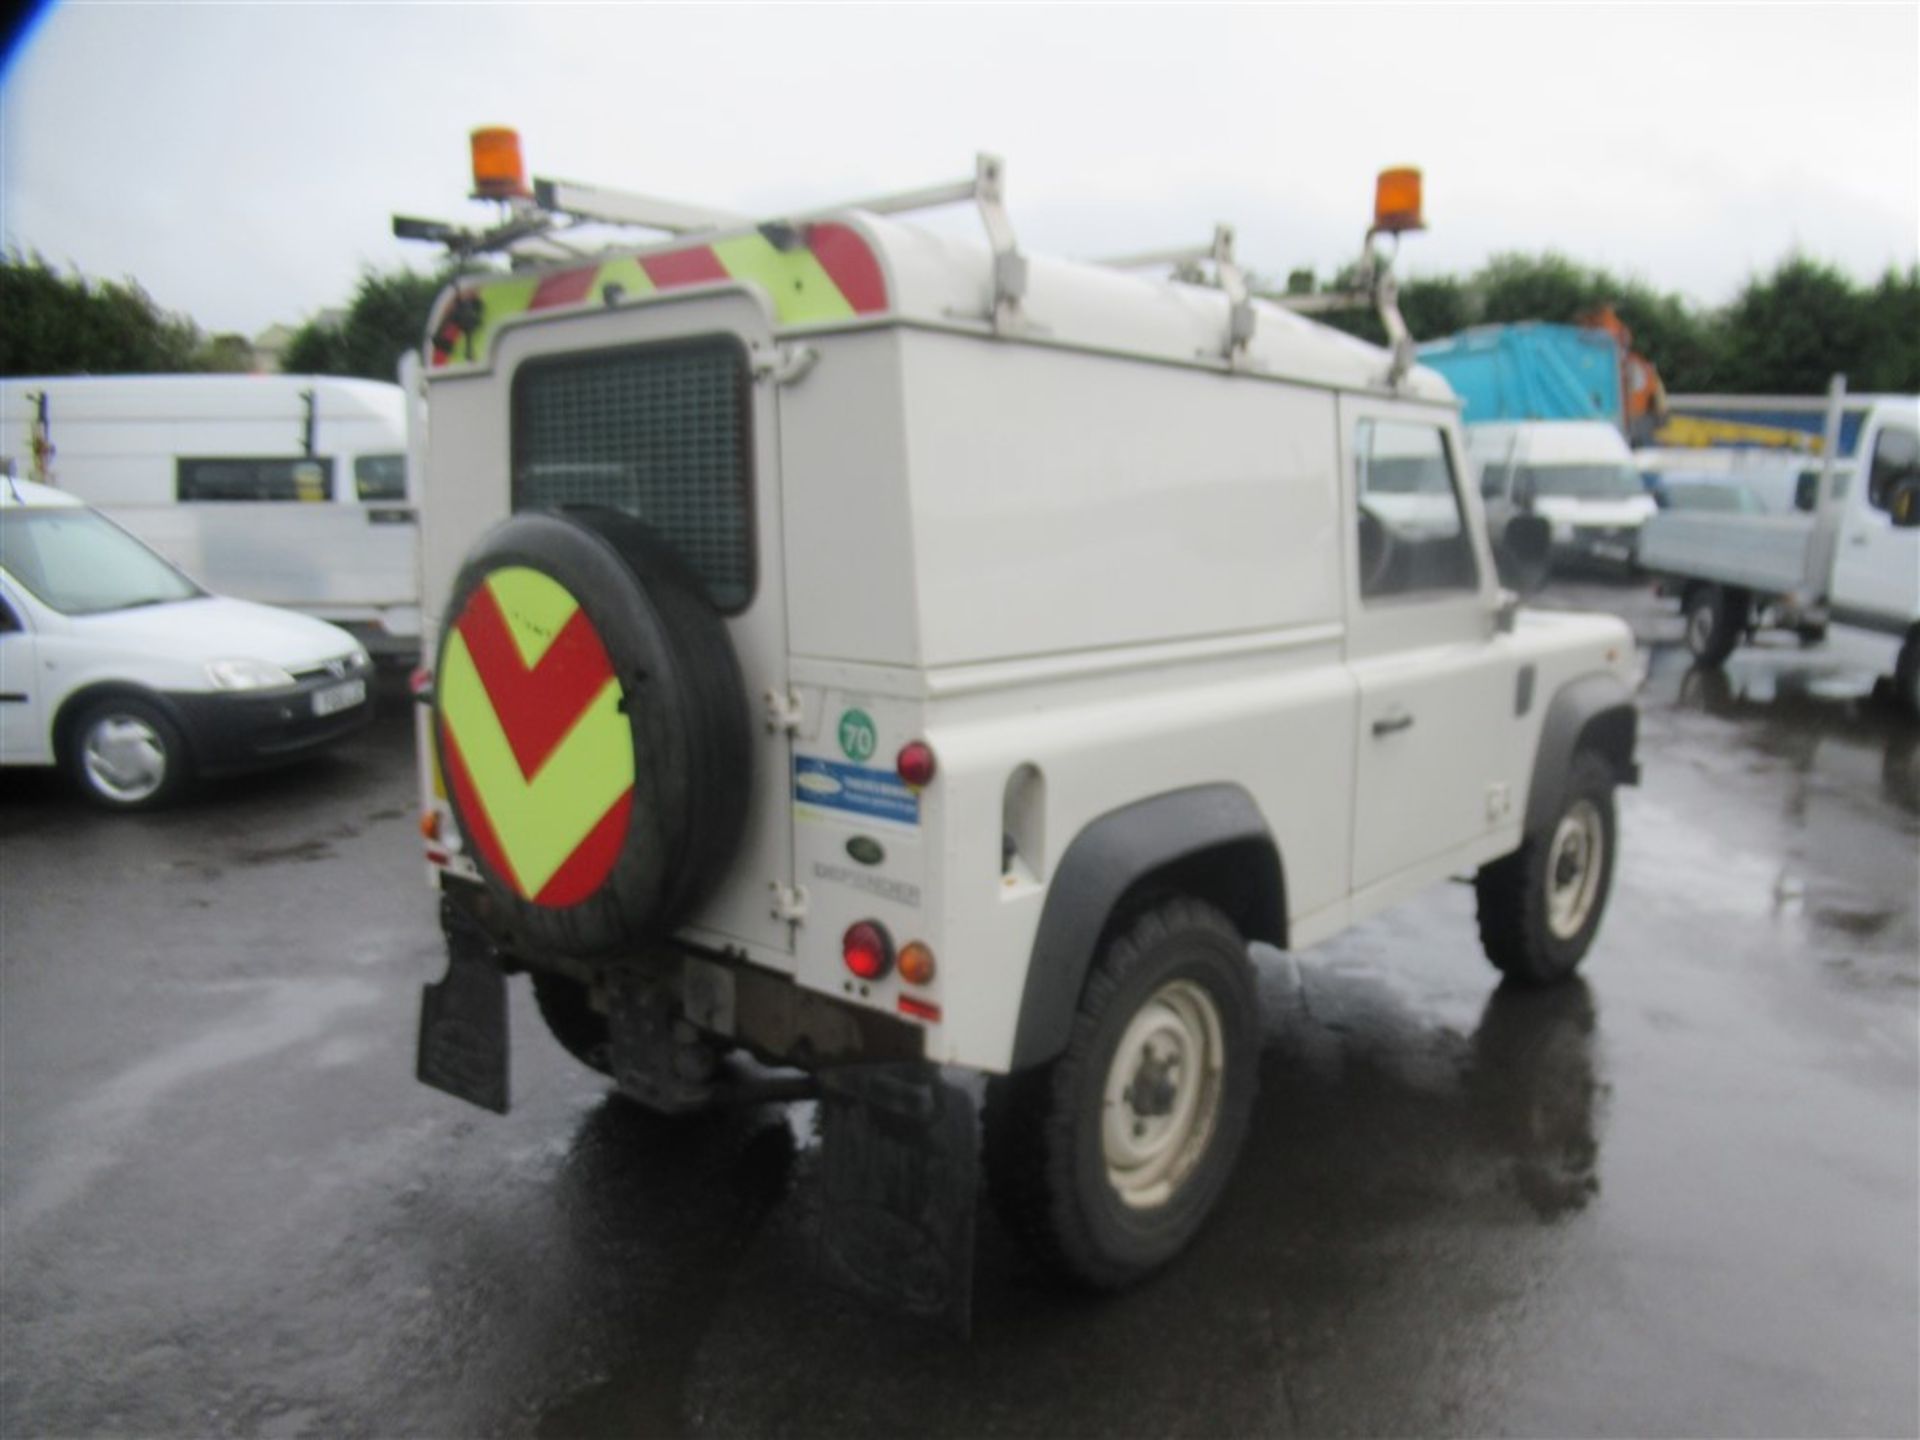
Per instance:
x=583, y=1032
x=682, y=711
x=1716, y=618
x=150, y=745
x=1906, y=674
x=1527, y=938
x=1045, y=1148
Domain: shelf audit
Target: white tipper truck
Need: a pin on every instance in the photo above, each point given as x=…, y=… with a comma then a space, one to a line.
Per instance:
x=1849, y=556
x=875, y=653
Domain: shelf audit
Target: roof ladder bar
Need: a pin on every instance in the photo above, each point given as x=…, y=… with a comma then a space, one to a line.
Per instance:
x=987, y=190
x=1227, y=272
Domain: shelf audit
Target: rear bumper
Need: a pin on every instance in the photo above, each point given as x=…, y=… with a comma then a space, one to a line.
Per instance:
x=249, y=730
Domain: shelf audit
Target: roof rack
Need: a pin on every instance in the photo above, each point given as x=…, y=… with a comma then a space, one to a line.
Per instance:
x=546, y=212
x=554, y=207
x=1227, y=274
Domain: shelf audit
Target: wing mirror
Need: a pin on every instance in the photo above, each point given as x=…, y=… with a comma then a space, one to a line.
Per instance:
x=1524, y=553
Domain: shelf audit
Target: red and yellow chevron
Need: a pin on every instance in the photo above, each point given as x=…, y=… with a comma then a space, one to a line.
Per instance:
x=536, y=749
x=834, y=276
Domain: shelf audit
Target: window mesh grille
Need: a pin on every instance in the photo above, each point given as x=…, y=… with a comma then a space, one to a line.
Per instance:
x=658, y=432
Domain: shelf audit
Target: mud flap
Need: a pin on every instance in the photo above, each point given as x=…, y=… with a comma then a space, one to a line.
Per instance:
x=900, y=1169
x=463, y=1024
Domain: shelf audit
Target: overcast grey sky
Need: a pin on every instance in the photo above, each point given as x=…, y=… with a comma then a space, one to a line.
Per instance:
x=242, y=161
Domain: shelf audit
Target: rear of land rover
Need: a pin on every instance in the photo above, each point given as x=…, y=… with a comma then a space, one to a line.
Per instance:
x=814, y=940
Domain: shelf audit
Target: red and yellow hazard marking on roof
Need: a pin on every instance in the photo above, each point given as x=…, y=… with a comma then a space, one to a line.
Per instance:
x=833, y=276
x=536, y=749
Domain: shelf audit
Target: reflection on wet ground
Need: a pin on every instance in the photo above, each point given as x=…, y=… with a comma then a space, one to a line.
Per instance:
x=1678, y=1197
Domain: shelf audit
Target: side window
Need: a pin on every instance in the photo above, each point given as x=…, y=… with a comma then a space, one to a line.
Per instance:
x=9, y=622
x=1896, y=465
x=380, y=477
x=295, y=478
x=1413, y=534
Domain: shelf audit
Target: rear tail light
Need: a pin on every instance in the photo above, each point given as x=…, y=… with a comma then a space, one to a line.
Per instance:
x=916, y=963
x=420, y=684
x=867, y=949
x=915, y=763
x=430, y=825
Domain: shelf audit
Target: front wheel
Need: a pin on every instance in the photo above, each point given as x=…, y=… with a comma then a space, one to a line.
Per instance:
x=125, y=754
x=1107, y=1161
x=1716, y=618
x=1906, y=673
x=1540, y=907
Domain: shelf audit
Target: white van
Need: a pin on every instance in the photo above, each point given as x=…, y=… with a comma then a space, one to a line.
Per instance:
x=1577, y=475
x=291, y=490
x=119, y=668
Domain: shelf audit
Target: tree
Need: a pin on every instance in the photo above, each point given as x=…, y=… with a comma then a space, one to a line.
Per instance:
x=1788, y=333
x=1891, y=347
x=60, y=324
x=387, y=317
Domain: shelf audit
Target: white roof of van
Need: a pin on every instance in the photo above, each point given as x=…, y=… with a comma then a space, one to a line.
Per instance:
x=222, y=396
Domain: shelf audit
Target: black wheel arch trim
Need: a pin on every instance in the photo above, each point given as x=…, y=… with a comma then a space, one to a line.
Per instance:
x=1208, y=840
x=1592, y=712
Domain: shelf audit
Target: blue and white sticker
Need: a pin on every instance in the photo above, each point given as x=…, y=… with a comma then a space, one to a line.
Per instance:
x=855, y=789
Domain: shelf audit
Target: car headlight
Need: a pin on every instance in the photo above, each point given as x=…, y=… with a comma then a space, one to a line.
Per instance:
x=246, y=675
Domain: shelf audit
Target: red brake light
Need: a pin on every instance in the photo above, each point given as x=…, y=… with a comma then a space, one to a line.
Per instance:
x=915, y=763
x=867, y=950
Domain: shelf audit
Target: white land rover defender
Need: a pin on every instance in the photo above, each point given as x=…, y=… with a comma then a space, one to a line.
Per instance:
x=875, y=652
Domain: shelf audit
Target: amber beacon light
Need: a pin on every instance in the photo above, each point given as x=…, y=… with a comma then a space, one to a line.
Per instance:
x=498, y=171
x=1396, y=201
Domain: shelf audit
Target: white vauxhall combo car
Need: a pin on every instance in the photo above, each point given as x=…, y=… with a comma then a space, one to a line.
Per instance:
x=123, y=671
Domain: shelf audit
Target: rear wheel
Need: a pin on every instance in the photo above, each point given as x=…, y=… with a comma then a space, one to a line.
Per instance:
x=1108, y=1160
x=1716, y=618
x=125, y=754
x=583, y=1032
x=1540, y=907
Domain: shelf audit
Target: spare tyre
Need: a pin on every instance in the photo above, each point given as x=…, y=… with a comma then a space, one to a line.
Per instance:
x=592, y=728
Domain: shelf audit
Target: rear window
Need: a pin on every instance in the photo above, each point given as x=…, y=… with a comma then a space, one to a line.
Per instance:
x=659, y=431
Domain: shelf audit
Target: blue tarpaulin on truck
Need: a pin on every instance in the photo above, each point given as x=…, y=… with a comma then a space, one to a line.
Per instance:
x=1532, y=371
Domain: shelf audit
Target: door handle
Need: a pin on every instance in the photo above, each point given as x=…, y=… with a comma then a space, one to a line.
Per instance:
x=1388, y=724
x=1859, y=537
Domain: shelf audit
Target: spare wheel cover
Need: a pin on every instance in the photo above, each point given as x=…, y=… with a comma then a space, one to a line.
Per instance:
x=592, y=730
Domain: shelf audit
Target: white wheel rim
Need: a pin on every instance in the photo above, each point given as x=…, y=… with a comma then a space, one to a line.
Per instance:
x=125, y=758
x=1162, y=1096
x=1574, y=865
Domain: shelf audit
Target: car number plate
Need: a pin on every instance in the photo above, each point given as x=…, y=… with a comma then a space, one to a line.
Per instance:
x=336, y=698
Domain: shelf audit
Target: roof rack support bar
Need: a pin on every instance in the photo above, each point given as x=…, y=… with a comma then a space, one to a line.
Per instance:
x=624, y=207
x=1227, y=273
x=1376, y=275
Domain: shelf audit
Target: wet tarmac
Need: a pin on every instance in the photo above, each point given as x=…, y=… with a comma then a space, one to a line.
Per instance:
x=1680, y=1197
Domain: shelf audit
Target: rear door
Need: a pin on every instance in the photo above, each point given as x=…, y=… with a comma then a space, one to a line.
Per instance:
x=656, y=410
x=1436, y=749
